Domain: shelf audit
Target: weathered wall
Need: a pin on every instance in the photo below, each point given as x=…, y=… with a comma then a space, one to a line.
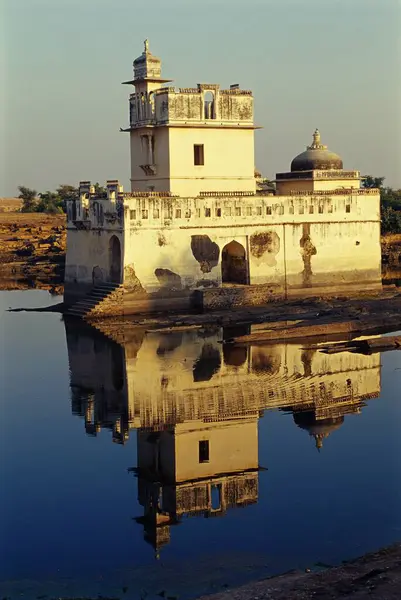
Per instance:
x=303, y=242
x=139, y=179
x=88, y=255
x=317, y=181
x=175, y=245
x=225, y=168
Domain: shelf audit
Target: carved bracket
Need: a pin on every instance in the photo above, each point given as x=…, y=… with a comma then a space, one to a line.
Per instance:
x=148, y=169
x=83, y=224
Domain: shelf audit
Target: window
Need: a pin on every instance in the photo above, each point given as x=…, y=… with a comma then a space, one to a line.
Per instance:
x=178, y=213
x=330, y=209
x=207, y=212
x=321, y=209
x=204, y=451
x=216, y=496
x=188, y=214
x=281, y=210
x=291, y=209
x=259, y=211
x=199, y=156
x=227, y=211
x=237, y=211
x=144, y=214
x=311, y=209
x=198, y=212
x=301, y=209
x=218, y=212
x=268, y=210
x=132, y=215
x=156, y=213
x=249, y=211
x=348, y=208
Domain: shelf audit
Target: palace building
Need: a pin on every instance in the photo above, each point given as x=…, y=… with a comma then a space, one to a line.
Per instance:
x=198, y=230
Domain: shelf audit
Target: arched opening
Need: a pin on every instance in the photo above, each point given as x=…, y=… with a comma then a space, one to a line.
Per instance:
x=208, y=103
x=234, y=267
x=115, y=259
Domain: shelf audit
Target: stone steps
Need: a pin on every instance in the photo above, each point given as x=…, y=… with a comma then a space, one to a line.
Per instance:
x=104, y=294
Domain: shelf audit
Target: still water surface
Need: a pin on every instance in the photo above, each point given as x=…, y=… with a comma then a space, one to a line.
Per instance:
x=163, y=463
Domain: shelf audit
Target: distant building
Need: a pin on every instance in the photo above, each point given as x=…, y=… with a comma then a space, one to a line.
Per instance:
x=199, y=216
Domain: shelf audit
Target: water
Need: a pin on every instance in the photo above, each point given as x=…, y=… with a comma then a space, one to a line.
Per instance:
x=168, y=464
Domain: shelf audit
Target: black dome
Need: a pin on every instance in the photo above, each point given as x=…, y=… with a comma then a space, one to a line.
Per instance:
x=316, y=157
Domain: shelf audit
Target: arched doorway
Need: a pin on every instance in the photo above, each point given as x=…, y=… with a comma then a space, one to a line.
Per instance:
x=115, y=259
x=234, y=268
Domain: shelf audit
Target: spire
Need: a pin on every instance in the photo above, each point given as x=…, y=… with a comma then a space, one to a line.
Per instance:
x=316, y=144
x=147, y=66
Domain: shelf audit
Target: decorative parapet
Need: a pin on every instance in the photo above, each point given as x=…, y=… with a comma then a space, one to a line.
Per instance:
x=236, y=92
x=318, y=174
x=189, y=90
x=225, y=194
x=340, y=192
x=138, y=194
x=330, y=174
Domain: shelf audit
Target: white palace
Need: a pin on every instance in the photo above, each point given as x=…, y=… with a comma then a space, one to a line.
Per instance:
x=198, y=229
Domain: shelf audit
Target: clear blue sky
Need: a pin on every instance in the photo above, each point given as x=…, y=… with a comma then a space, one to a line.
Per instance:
x=331, y=64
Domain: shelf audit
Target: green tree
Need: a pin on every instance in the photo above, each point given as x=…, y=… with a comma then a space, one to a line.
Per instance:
x=390, y=198
x=99, y=189
x=372, y=182
x=66, y=192
x=390, y=220
x=49, y=202
x=28, y=197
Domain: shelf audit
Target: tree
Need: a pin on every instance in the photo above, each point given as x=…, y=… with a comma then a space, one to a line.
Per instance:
x=100, y=190
x=28, y=197
x=390, y=220
x=65, y=193
x=372, y=182
x=50, y=202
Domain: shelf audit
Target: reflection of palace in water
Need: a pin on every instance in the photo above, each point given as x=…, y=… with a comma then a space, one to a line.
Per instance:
x=196, y=403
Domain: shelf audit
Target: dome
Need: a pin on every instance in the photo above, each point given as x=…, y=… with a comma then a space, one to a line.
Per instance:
x=317, y=428
x=316, y=157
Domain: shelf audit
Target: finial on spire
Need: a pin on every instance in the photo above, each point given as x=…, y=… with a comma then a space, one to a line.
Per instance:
x=146, y=45
x=316, y=144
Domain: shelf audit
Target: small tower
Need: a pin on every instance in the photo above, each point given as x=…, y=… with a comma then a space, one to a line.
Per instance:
x=188, y=141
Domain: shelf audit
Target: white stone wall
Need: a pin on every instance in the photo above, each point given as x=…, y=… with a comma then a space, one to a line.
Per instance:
x=299, y=241
x=97, y=220
x=295, y=241
x=225, y=168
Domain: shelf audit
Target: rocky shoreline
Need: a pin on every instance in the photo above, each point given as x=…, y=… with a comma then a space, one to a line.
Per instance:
x=32, y=251
x=375, y=575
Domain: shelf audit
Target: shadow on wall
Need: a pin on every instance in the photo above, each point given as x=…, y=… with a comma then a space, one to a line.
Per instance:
x=208, y=363
x=205, y=251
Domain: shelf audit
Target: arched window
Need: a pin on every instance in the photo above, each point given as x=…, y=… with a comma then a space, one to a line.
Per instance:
x=208, y=103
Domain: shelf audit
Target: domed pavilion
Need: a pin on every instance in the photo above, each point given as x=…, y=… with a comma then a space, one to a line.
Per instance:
x=316, y=169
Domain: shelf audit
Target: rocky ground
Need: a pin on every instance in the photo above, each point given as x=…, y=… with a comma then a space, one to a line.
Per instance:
x=376, y=576
x=32, y=251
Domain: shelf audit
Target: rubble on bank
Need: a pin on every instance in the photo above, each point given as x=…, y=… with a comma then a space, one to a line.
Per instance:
x=376, y=576
x=32, y=251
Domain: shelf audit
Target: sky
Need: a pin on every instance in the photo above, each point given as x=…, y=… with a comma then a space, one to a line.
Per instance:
x=331, y=64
